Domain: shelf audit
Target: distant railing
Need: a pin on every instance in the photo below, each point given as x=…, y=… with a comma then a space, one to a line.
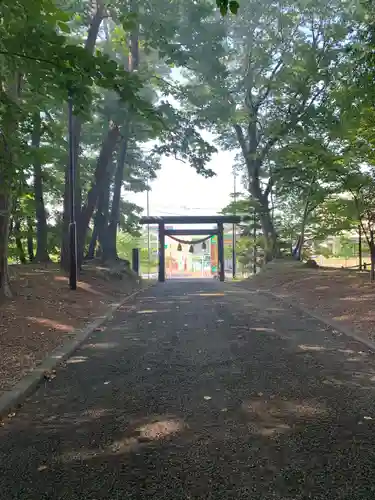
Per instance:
x=339, y=262
x=366, y=266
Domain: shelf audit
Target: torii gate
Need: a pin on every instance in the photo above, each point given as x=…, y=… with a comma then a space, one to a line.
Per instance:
x=219, y=220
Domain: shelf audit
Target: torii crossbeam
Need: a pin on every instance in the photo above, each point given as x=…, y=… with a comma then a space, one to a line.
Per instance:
x=219, y=220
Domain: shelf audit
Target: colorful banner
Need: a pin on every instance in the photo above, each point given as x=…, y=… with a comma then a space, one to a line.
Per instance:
x=214, y=254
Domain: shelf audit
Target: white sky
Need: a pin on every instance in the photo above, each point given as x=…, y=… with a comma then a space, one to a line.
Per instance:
x=179, y=190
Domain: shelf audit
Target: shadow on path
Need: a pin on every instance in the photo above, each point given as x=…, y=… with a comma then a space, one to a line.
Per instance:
x=199, y=391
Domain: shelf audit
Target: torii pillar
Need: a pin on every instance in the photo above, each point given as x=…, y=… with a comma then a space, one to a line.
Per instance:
x=220, y=250
x=161, y=252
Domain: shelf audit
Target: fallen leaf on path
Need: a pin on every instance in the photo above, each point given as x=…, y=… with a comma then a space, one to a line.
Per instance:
x=106, y=382
x=49, y=375
x=207, y=398
x=367, y=418
x=11, y=415
x=42, y=467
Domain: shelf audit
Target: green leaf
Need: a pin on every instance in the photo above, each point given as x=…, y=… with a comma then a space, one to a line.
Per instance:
x=223, y=6
x=234, y=6
x=129, y=22
x=63, y=27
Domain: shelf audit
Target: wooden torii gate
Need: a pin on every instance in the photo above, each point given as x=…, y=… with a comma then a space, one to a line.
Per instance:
x=218, y=220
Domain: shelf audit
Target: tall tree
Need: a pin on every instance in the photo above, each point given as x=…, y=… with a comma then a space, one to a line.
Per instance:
x=255, y=78
x=50, y=69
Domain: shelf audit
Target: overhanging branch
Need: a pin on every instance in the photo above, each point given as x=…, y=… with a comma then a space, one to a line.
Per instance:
x=268, y=187
x=267, y=91
x=241, y=139
x=301, y=111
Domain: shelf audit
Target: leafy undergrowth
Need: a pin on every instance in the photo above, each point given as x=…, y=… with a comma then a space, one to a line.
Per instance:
x=345, y=296
x=44, y=312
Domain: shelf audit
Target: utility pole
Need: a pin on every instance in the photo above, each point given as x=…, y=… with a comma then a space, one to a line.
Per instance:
x=234, y=259
x=72, y=222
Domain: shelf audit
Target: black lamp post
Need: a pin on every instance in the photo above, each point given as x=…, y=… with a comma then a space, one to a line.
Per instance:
x=234, y=242
x=72, y=221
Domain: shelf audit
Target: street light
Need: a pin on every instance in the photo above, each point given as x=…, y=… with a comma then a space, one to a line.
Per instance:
x=72, y=222
x=234, y=226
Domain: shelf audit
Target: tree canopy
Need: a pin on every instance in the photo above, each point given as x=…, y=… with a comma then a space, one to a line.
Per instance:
x=287, y=85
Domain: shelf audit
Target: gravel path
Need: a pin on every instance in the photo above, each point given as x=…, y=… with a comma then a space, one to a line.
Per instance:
x=199, y=390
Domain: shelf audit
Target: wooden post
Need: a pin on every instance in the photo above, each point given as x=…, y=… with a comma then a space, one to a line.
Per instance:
x=220, y=247
x=135, y=260
x=161, y=252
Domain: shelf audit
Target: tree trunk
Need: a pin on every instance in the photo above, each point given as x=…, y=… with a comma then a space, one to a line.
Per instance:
x=134, y=39
x=19, y=246
x=306, y=212
x=40, y=211
x=110, y=241
x=271, y=246
x=106, y=152
x=30, y=240
x=101, y=219
x=92, y=245
x=103, y=212
x=253, y=165
x=90, y=43
x=301, y=242
x=99, y=232
x=360, y=246
x=271, y=249
x=8, y=134
x=5, y=203
x=372, y=255
x=301, y=239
